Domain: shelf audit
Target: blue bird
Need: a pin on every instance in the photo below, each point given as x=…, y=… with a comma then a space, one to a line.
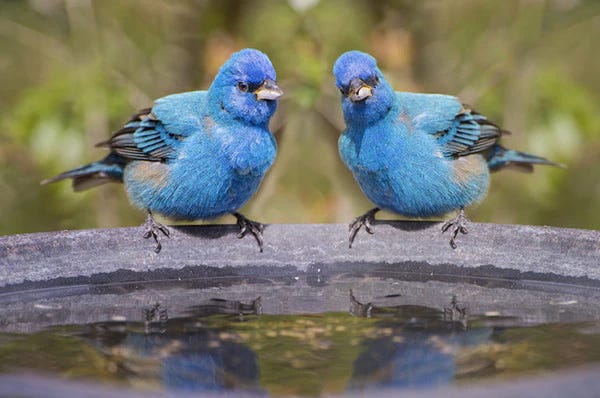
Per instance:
x=195, y=155
x=418, y=155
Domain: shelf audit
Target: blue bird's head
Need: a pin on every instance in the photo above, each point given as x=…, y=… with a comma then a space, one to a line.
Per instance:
x=245, y=88
x=366, y=95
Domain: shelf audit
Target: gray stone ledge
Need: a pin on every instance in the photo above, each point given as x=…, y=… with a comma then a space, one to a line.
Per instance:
x=513, y=251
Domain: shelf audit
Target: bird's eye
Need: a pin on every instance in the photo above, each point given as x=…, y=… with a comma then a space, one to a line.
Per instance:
x=243, y=87
x=376, y=79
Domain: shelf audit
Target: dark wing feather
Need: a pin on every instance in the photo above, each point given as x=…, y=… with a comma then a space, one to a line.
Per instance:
x=144, y=137
x=469, y=133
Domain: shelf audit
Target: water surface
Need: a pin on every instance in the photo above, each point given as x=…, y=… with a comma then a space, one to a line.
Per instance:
x=304, y=337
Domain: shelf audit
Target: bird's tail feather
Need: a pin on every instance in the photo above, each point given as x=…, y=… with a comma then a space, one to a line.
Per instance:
x=499, y=157
x=109, y=169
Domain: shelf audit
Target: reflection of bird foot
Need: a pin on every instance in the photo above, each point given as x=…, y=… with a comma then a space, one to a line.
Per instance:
x=454, y=313
x=254, y=227
x=359, y=309
x=156, y=314
x=152, y=229
x=366, y=220
x=458, y=224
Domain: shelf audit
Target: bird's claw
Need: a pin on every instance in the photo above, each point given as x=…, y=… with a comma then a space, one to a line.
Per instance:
x=152, y=229
x=358, y=223
x=459, y=225
x=254, y=227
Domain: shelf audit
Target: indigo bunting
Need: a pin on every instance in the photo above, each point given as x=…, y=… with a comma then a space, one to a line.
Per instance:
x=418, y=155
x=195, y=155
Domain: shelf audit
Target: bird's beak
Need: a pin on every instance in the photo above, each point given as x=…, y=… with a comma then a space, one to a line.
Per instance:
x=359, y=90
x=269, y=90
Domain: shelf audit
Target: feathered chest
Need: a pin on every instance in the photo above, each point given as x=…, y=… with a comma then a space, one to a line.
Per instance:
x=244, y=151
x=372, y=148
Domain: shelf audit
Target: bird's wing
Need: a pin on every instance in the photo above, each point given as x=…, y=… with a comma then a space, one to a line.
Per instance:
x=155, y=134
x=459, y=130
x=469, y=132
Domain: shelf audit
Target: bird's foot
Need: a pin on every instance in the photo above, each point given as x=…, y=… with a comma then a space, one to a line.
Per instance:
x=254, y=227
x=458, y=224
x=152, y=229
x=366, y=220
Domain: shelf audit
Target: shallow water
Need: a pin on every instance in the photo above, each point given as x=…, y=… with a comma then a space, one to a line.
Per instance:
x=299, y=337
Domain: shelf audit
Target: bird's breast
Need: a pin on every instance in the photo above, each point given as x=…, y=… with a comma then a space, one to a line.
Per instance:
x=377, y=147
x=253, y=154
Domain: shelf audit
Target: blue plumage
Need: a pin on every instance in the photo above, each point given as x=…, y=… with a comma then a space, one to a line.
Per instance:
x=419, y=155
x=196, y=155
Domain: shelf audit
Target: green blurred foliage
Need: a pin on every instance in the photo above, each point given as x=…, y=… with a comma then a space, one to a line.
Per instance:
x=71, y=71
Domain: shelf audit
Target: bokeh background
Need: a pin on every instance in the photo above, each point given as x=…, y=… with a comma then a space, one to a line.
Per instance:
x=72, y=71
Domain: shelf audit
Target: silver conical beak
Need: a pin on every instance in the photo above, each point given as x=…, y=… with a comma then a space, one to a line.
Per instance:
x=269, y=90
x=359, y=90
